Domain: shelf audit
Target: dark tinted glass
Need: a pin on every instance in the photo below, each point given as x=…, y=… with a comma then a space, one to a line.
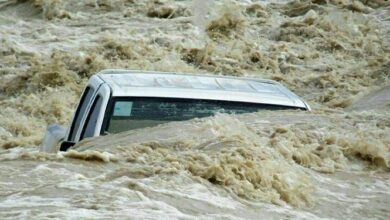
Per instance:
x=85, y=99
x=133, y=113
x=89, y=127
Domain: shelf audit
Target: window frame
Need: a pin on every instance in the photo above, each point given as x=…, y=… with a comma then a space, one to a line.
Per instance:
x=94, y=107
x=78, y=115
x=105, y=92
x=113, y=100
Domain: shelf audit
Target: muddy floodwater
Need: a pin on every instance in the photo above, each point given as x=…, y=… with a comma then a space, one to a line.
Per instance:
x=330, y=163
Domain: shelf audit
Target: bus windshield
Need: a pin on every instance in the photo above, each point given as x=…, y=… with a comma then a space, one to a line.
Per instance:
x=133, y=113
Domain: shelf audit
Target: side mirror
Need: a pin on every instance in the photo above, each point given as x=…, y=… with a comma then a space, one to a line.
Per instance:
x=54, y=135
x=65, y=145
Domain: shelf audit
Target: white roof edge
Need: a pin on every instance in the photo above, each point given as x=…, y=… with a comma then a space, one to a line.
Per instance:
x=291, y=98
x=121, y=71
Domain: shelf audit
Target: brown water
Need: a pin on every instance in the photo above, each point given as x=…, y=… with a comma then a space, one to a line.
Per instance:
x=333, y=162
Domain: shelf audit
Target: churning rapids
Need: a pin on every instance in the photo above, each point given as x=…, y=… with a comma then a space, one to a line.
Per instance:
x=331, y=163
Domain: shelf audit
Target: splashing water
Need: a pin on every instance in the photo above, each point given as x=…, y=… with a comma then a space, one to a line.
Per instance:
x=332, y=162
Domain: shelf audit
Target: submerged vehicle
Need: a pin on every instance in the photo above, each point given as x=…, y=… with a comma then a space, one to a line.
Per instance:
x=120, y=100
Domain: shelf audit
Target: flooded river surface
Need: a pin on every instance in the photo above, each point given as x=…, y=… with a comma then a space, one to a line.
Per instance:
x=330, y=163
